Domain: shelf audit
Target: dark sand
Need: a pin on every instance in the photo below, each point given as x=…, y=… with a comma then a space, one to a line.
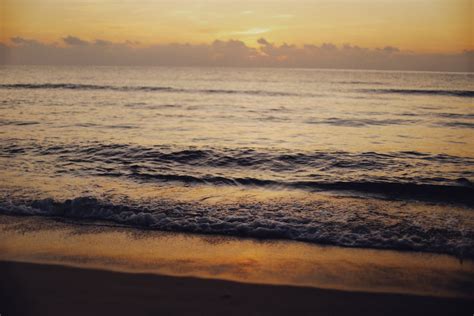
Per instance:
x=37, y=289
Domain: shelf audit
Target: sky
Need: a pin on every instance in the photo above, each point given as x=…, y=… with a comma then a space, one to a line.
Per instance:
x=404, y=27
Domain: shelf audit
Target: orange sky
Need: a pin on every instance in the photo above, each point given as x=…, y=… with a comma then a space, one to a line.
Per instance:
x=418, y=25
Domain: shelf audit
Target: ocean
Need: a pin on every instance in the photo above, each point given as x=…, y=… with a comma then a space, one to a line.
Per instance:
x=369, y=159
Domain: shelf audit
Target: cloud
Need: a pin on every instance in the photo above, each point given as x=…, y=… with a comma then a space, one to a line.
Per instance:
x=23, y=41
x=390, y=49
x=101, y=42
x=227, y=53
x=74, y=41
x=328, y=46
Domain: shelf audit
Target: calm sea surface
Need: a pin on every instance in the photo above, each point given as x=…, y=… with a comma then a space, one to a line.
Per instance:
x=351, y=158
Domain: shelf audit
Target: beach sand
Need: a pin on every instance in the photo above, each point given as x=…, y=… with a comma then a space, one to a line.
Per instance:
x=34, y=289
x=52, y=267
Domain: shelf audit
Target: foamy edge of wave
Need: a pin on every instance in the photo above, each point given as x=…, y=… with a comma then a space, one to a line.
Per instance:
x=198, y=219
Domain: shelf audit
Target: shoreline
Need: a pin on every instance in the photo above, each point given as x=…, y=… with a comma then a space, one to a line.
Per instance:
x=40, y=289
x=274, y=262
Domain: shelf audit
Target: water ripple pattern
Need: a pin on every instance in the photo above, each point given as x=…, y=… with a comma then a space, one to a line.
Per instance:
x=351, y=158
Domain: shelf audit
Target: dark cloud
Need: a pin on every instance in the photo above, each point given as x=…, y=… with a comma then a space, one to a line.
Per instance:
x=74, y=41
x=328, y=46
x=24, y=41
x=390, y=49
x=228, y=53
x=4, y=53
x=101, y=42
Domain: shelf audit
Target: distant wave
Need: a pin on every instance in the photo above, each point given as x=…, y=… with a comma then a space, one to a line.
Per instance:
x=17, y=123
x=458, y=124
x=318, y=223
x=356, y=82
x=455, y=93
x=74, y=86
x=455, y=115
x=354, y=122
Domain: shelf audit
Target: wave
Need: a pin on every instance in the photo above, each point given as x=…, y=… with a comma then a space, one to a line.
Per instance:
x=294, y=220
x=74, y=86
x=162, y=89
x=407, y=174
x=357, y=82
x=17, y=123
x=455, y=93
x=458, y=124
x=210, y=156
x=359, y=122
x=455, y=115
x=457, y=194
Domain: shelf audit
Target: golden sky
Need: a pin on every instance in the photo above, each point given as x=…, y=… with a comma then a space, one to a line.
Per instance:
x=418, y=25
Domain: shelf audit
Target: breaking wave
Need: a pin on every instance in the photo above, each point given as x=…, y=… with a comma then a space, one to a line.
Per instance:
x=293, y=220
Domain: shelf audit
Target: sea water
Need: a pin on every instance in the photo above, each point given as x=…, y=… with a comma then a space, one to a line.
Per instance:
x=351, y=158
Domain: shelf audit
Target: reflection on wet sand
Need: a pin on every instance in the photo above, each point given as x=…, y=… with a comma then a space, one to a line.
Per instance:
x=41, y=240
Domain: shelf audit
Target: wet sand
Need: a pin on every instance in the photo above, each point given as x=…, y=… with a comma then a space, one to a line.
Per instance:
x=52, y=267
x=38, y=289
